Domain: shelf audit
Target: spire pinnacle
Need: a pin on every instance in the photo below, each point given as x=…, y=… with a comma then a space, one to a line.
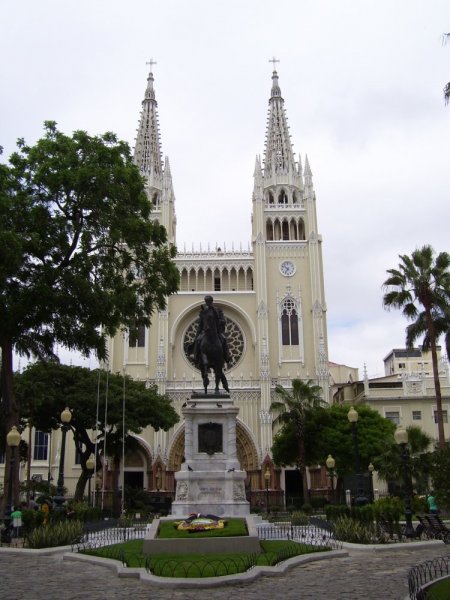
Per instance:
x=147, y=152
x=279, y=155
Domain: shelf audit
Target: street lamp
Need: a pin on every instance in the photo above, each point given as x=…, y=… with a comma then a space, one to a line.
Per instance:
x=12, y=440
x=59, y=499
x=371, y=469
x=331, y=463
x=401, y=438
x=90, y=465
x=353, y=416
x=267, y=480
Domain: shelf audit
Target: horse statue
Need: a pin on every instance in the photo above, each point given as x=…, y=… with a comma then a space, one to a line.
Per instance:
x=210, y=346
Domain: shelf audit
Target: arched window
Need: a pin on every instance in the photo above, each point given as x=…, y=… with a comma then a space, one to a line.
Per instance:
x=285, y=228
x=282, y=197
x=289, y=323
x=269, y=230
x=270, y=197
x=136, y=338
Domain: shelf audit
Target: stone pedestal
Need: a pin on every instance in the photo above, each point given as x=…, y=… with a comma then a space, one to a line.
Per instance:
x=210, y=480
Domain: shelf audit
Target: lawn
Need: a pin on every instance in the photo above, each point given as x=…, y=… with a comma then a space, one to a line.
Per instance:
x=233, y=527
x=440, y=590
x=203, y=565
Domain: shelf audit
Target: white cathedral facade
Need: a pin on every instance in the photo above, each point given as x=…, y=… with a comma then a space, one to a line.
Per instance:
x=272, y=296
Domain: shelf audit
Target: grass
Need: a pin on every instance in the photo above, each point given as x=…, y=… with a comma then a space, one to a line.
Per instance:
x=203, y=565
x=440, y=590
x=233, y=527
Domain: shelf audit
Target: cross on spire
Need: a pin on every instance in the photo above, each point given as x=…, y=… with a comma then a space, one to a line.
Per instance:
x=274, y=61
x=151, y=62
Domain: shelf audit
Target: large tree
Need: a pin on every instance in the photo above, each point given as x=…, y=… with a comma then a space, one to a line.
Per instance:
x=328, y=431
x=389, y=463
x=422, y=280
x=79, y=255
x=293, y=408
x=45, y=389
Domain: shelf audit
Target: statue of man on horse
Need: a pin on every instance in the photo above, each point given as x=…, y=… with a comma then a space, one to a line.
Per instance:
x=210, y=345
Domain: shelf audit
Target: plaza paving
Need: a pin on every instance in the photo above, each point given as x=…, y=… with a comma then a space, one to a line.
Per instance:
x=362, y=575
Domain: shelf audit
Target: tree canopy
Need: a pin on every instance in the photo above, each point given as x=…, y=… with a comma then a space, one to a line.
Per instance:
x=79, y=254
x=328, y=431
x=45, y=389
x=423, y=280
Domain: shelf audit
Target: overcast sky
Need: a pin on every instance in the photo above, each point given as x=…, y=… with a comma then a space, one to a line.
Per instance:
x=362, y=83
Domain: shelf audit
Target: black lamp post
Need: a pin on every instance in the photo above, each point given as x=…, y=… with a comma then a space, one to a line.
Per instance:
x=267, y=480
x=90, y=465
x=59, y=499
x=12, y=440
x=371, y=469
x=353, y=416
x=401, y=437
x=331, y=463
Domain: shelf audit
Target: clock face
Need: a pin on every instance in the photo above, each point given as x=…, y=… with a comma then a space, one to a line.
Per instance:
x=287, y=268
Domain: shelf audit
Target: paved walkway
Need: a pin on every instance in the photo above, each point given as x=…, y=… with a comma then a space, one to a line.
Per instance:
x=361, y=576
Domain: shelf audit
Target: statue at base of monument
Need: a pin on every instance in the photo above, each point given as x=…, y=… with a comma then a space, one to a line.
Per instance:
x=210, y=345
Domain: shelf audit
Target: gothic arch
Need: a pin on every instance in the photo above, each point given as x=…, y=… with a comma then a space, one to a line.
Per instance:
x=246, y=449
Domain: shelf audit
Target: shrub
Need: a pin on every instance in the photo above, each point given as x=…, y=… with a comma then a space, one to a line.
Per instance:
x=307, y=508
x=347, y=529
x=389, y=509
x=318, y=501
x=299, y=518
x=31, y=519
x=58, y=534
x=335, y=511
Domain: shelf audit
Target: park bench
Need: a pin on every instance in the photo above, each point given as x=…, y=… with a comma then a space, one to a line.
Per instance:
x=440, y=530
x=393, y=531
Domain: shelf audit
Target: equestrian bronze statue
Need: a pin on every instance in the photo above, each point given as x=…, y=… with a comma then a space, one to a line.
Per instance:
x=210, y=346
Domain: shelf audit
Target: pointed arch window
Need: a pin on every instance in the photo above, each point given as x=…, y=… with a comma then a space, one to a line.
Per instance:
x=136, y=338
x=289, y=323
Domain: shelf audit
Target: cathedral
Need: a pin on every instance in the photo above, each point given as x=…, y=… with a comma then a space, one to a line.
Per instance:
x=272, y=296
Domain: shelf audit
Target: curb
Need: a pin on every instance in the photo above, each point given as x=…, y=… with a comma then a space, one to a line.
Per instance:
x=390, y=547
x=248, y=576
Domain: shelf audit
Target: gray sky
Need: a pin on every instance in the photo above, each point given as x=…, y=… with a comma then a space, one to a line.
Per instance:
x=362, y=83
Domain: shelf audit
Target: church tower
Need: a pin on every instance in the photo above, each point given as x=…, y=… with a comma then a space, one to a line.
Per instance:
x=288, y=260
x=271, y=293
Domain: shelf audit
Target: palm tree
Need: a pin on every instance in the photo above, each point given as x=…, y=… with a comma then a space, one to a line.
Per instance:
x=389, y=464
x=445, y=37
x=294, y=408
x=423, y=280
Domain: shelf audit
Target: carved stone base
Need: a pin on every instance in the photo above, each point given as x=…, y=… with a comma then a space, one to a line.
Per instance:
x=220, y=493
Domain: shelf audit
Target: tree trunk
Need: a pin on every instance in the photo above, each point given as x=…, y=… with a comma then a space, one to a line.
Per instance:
x=81, y=486
x=11, y=417
x=437, y=383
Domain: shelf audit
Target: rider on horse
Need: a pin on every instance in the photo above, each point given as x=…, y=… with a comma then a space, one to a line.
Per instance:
x=220, y=324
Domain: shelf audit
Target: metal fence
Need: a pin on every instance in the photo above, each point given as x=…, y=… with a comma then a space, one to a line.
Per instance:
x=425, y=573
x=311, y=535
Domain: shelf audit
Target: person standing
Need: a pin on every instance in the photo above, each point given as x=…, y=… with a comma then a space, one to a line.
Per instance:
x=432, y=505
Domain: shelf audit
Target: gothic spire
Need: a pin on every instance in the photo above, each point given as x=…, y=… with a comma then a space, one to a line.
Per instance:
x=147, y=152
x=279, y=156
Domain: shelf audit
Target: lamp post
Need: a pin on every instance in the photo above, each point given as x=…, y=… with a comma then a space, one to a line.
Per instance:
x=401, y=437
x=371, y=469
x=267, y=480
x=66, y=417
x=331, y=463
x=12, y=440
x=90, y=465
x=353, y=416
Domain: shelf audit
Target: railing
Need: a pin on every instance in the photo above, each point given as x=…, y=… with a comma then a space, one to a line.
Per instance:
x=92, y=540
x=310, y=535
x=425, y=573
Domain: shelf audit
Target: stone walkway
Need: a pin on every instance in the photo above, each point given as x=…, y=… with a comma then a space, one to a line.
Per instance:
x=361, y=576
